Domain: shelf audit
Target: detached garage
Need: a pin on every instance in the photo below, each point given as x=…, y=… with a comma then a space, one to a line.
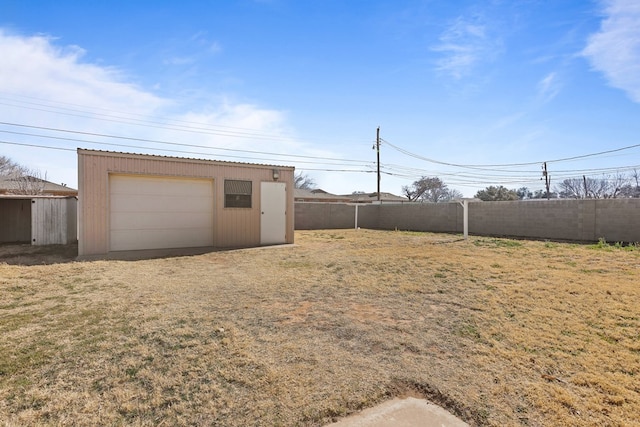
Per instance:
x=140, y=202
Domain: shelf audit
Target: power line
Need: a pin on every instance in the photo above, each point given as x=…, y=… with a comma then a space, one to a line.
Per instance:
x=144, y=120
x=532, y=175
x=37, y=146
x=166, y=127
x=295, y=156
x=439, y=162
x=73, y=149
x=487, y=173
x=193, y=153
x=129, y=119
x=408, y=153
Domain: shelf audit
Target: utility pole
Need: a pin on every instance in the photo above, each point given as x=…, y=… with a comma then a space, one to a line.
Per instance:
x=378, y=155
x=547, y=178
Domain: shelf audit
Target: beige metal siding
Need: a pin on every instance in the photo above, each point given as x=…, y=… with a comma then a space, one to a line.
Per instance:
x=233, y=227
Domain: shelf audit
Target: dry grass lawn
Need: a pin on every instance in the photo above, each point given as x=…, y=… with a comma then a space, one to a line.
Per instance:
x=500, y=332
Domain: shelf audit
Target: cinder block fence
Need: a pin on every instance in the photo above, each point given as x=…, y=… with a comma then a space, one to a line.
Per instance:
x=616, y=220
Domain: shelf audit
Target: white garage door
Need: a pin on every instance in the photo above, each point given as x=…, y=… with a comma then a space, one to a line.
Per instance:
x=159, y=212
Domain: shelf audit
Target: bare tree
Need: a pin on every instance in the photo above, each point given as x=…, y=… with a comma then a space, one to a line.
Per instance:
x=607, y=187
x=632, y=187
x=572, y=188
x=21, y=180
x=32, y=183
x=9, y=168
x=616, y=184
x=303, y=181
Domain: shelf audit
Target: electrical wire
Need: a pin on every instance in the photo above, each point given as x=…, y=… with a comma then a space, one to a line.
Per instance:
x=408, y=153
x=160, y=142
x=472, y=174
x=144, y=120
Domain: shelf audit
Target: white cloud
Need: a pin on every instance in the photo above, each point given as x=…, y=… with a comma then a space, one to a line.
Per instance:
x=215, y=47
x=615, y=49
x=241, y=126
x=507, y=121
x=180, y=60
x=211, y=46
x=463, y=45
x=35, y=66
x=44, y=84
x=243, y=116
x=548, y=87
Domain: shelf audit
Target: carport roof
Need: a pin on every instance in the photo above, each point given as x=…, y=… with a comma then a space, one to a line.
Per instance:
x=34, y=196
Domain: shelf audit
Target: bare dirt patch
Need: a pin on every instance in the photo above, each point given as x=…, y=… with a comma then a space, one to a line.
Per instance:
x=26, y=254
x=499, y=332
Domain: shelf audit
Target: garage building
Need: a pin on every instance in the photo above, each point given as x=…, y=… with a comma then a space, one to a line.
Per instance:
x=131, y=202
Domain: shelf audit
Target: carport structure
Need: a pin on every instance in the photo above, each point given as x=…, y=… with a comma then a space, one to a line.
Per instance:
x=38, y=219
x=133, y=202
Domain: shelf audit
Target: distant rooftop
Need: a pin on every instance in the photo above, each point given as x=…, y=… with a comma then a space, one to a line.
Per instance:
x=319, y=195
x=17, y=185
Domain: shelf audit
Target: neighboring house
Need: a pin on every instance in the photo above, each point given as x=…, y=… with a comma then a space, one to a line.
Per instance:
x=33, y=186
x=322, y=196
x=139, y=202
x=373, y=198
x=318, y=195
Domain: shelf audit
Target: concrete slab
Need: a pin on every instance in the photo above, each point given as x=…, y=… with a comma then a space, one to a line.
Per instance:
x=143, y=254
x=409, y=412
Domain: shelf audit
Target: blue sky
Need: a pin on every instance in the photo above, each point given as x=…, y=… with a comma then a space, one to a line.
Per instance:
x=476, y=92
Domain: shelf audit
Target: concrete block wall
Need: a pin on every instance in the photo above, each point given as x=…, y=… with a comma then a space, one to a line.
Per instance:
x=437, y=217
x=554, y=219
x=617, y=220
x=577, y=220
x=368, y=216
x=317, y=216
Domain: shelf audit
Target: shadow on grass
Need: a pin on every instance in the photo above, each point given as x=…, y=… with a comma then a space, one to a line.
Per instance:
x=26, y=254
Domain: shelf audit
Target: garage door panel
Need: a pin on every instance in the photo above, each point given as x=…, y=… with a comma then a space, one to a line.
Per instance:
x=150, y=203
x=149, y=185
x=131, y=240
x=146, y=220
x=160, y=212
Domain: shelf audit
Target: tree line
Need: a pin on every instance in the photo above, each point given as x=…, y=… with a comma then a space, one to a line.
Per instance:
x=433, y=189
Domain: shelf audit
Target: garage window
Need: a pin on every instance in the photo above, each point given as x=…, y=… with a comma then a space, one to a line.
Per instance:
x=237, y=194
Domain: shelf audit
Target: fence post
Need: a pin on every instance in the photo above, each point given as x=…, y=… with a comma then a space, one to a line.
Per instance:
x=356, y=221
x=465, y=217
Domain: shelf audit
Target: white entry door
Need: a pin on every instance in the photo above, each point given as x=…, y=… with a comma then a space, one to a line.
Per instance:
x=273, y=208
